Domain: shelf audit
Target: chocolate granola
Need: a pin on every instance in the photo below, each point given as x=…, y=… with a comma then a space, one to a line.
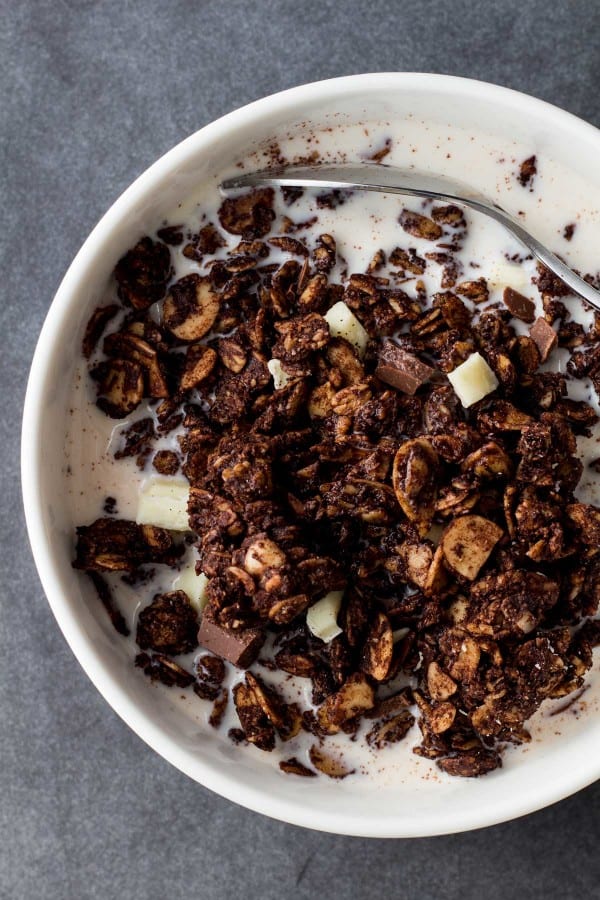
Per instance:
x=325, y=462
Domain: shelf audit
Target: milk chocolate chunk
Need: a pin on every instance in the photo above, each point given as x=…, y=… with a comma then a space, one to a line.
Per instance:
x=519, y=305
x=544, y=336
x=238, y=647
x=402, y=370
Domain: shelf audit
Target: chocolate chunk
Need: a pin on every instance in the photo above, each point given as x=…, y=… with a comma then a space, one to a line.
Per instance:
x=402, y=370
x=238, y=647
x=544, y=336
x=520, y=306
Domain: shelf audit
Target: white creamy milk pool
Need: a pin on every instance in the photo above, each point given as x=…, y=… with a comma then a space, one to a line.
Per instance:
x=363, y=224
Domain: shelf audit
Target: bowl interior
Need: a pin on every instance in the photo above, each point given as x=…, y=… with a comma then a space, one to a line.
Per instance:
x=406, y=805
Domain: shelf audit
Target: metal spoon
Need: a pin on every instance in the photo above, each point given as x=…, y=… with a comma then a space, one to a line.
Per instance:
x=390, y=180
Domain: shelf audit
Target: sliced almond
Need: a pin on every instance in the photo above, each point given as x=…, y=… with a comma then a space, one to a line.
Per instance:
x=130, y=346
x=489, y=461
x=414, y=481
x=120, y=387
x=199, y=363
x=353, y=698
x=328, y=764
x=465, y=666
x=190, y=308
x=439, y=684
x=320, y=401
x=441, y=717
x=467, y=543
x=263, y=554
x=379, y=648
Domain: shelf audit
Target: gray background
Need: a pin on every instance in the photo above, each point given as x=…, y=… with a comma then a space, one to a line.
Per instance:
x=91, y=94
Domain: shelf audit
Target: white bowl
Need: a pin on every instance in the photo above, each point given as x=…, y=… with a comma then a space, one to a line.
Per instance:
x=413, y=806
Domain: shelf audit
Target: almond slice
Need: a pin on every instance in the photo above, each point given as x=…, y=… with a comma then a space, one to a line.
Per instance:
x=327, y=764
x=467, y=543
x=190, y=308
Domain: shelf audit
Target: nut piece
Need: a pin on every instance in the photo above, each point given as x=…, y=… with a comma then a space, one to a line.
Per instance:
x=467, y=543
x=471, y=763
x=293, y=766
x=120, y=387
x=344, y=324
x=199, y=363
x=353, y=698
x=378, y=649
x=327, y=764
x=420, y=226
x=414, y=480
x=124, y=345
x=190, y=308
x=473, y=380
x=263, y=554
x=321, y=618
x=257, y=727
x=439, y=685
x=391, y=730
x=544, y=336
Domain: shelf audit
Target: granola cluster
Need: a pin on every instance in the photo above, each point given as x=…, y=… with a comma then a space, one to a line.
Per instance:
x=319, y=463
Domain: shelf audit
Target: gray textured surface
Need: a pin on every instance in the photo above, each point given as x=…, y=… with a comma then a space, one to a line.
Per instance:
x=91, y=93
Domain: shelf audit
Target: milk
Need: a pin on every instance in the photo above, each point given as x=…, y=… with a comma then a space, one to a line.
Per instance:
x=362, y=225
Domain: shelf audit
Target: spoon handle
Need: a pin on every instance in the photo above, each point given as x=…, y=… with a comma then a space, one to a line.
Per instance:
x=389, y=180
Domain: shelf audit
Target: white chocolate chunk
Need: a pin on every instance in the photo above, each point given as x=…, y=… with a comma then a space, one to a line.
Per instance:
x=163, y=502
x=280, y=379
x=505, y=274
x=321, y=618
x=343, y=323
x=472, y=380
x=194, y=586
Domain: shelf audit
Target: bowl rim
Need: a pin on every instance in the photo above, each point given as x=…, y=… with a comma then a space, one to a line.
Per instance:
x=107, y=682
